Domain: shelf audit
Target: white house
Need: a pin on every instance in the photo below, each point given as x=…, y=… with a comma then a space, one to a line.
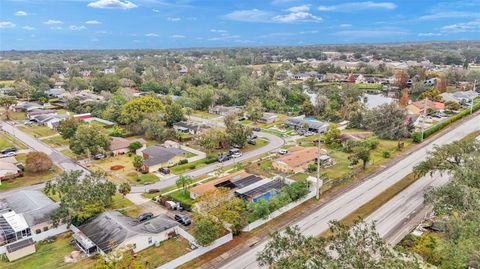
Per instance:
x=110, y=230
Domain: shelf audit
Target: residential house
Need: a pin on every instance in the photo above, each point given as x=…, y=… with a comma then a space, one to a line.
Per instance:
x=51, y=121
x=24, y=219
x=431, y=82
x=26, y=106
x=55, y=92
x=460, y=97
x=37, y=112
x=6, y=90
x=226, y=110
x=263, y=189
x=109, y=70
x=297, y=159
x=9, y=169
x=156, y=157
x=429, y=105
x=189, y=127
x=268, y=118
x=231, y=181
x=310, y=125
x=110, y=230
x=119, y=145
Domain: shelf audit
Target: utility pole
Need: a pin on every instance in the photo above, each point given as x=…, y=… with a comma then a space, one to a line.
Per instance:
x=317, y=188
x=471, y=102
x=424, y=114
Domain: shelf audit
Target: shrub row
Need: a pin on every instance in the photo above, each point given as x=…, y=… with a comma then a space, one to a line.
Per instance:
x=417, y=136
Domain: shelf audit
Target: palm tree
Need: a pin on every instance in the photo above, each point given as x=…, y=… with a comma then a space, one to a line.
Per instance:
x=183, y=182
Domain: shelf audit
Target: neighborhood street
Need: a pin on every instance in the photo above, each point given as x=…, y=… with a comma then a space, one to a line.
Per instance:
x=340, y=207
x=64, y=162
x=274, y=143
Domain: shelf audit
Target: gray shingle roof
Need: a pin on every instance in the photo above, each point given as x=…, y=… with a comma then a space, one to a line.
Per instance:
x=109, y=229
x=158, y=154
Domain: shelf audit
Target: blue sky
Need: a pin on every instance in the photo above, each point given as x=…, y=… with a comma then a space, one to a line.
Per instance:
x=107, y=24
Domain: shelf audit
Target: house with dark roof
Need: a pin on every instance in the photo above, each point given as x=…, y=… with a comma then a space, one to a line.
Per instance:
x=231, y=181
x=189, y=127
x=119, y=145
x=310, y=125
x=156, y=157
x=110, y=230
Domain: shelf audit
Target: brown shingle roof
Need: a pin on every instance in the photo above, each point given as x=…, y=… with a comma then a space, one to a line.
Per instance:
x=298, y=156
x=203, y=188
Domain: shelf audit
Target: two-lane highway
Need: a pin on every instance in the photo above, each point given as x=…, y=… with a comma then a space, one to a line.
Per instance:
x=340, y=207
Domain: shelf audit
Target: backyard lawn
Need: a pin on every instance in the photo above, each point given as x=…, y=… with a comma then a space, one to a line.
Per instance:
x=167, y=251
x=182, y=196
x=49, y=255
x=125, y=174
x=38, y=130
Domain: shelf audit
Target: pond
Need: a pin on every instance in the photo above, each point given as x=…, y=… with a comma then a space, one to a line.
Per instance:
x=376, y=100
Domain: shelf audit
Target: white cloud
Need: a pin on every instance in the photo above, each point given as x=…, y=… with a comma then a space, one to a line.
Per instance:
x=21, y=13
x=473, y=26
x=77, y=28
x=250, y=15
x=151, y=35
x=218, y=31
x=28, y=28
x=428, y=34
x=173, y=19
x=357, y=6
x=297, y=17
x=7, y=24
x=450, y=14
x=256, y=15
x=92, y=22
x=224, y=37
x=155, y=10
x=177, y=36
x=50, y=22
x=302, y=8
x=112, y=4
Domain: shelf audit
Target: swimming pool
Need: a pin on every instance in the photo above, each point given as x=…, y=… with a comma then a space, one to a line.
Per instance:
x=310, y=119
x=266, y=196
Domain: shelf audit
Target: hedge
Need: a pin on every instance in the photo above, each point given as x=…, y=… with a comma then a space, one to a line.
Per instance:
x=417, y=136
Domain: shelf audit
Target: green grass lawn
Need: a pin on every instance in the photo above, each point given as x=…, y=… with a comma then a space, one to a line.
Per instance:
x=298, y=176
x=167, y=251
x=17, y=116
x=204, y=114
x=69, y=153
x=56, y=141
x=126, y=174
x=48, y=256
x=8, y=141
x=182, y=196
x=180, y=169
x=369, y=86
x=125, y=206
x=38, y=130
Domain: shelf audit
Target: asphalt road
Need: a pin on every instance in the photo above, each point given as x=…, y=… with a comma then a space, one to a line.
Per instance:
x=340, y=207
x=64, y=162
x=274, y=143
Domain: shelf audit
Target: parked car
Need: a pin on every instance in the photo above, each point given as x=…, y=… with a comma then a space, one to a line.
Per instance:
x=237, y=155
x=182, y=219
x=252, y=141
x=9, y=154
x=256, y=129
x=223, y=158
x=7, y=150
x=164, y=171
x=145, y=216
x=242, y=118
x=28, y=122
x=98, y=156
x=282, y=151
x=253, y=136
x=233, y=151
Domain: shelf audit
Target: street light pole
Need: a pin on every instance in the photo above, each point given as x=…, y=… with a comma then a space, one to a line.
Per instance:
x=471, y=102
x=317, y=188
x=424, y=114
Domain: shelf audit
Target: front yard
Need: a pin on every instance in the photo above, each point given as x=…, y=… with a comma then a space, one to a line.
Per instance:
x=8, y=141
x=37, y=131
x=167, y=251
x=55, y=141
x=125, y=206
x=28, y=178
